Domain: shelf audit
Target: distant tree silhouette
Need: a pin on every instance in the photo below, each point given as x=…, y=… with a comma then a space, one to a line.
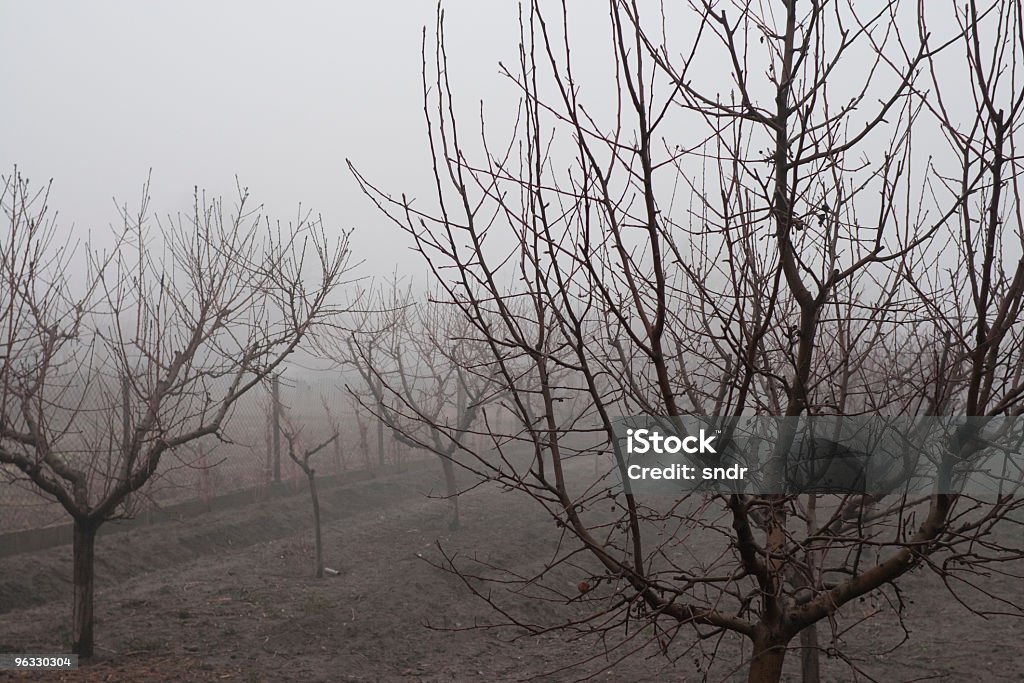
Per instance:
x=426, y=379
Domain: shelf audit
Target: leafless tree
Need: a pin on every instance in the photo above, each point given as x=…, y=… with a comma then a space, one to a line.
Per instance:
x=301, y=455
x=427, y=380
x=772, y=245
x=116, y=360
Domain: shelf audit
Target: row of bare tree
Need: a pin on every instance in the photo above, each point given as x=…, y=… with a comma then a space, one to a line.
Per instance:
x=116, y=361
x=831, y=226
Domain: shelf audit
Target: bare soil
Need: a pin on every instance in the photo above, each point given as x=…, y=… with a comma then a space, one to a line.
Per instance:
x=230, y=596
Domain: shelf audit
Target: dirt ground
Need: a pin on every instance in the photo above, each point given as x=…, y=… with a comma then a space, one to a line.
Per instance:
x=230, y=596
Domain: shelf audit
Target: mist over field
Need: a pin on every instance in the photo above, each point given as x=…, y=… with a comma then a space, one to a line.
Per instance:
x=547, y=340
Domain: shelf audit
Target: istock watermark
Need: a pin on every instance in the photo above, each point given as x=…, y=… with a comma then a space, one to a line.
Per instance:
x=652, y=441
x=835, y=454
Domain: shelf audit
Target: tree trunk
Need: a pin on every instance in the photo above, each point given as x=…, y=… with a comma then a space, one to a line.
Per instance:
x=769, y=656
x=810, y=654
x=83, y=581
x=275, y=426
x=453, y=491
x=380, y=441
x=810, y=665
x=364, y=441
x=311, y=474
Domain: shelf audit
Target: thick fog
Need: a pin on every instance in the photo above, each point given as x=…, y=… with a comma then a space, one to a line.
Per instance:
x=97, y=94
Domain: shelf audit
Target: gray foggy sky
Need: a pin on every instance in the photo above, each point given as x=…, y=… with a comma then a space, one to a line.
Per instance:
x=97, y=93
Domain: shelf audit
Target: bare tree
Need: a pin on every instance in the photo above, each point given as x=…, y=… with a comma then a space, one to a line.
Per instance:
x=301, y=456
x=426, y=378
x=773, y=245
x=115, y=361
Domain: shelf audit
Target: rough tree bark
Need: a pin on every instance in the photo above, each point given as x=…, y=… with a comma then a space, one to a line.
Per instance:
x=83, y=581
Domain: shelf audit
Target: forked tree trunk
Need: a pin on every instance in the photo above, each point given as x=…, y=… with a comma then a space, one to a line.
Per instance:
x=83, y=579
x=453, y=491
x=769, y=656
x=311, y=475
